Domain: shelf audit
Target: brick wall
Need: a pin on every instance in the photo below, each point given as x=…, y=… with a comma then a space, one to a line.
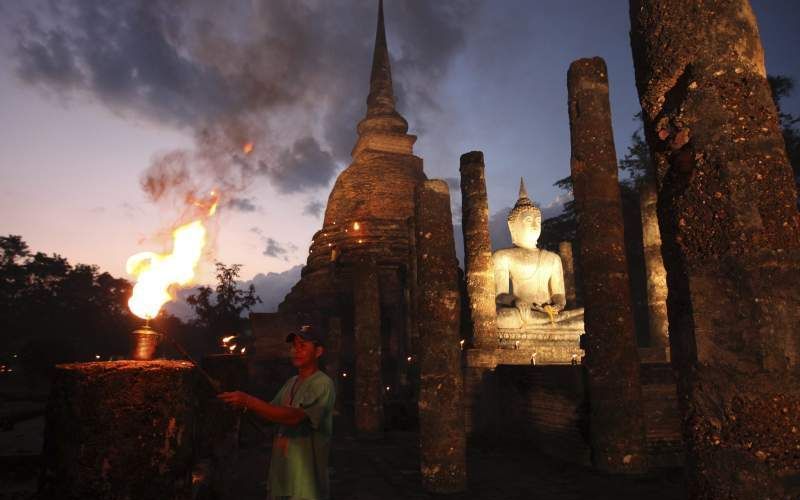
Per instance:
x=546, y=406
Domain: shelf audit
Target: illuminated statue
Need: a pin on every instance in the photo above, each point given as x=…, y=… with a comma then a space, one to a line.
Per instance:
x=530, y=281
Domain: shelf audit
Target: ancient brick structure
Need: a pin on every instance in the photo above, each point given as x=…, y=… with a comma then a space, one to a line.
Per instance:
x=367, y=218
x=656, y=275
x=367, y=347
x=567, y=260
x=441, y=409
x=478, y=250
x=612, y=361
x=731, y=243
x=121, y=429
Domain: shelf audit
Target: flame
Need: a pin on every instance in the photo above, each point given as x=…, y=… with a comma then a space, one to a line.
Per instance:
x=156, y=273
x=227, y=339
x=247, y=148
x=243, y=349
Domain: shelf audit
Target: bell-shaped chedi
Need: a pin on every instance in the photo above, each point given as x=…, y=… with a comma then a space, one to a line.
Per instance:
x=381, y=180
x=368, y=210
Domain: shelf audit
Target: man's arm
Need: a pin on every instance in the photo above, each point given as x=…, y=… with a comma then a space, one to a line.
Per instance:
x=284, y=415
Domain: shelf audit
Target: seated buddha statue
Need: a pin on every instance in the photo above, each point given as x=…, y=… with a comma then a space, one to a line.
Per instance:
x=530, y=281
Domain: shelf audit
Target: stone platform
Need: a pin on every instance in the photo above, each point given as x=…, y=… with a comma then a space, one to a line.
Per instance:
x=539, y=345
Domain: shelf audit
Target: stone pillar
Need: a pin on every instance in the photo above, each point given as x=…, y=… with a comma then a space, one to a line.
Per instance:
x=730, y=243
x=367, y=323
x=441, y=410
x=480, y=357
x=568, y=263
x=612, y=360
x=333, y=359
x=656, y=274
x=478, y=250
x=119, y=429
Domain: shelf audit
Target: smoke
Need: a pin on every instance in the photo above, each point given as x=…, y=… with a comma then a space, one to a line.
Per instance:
x=289, y=77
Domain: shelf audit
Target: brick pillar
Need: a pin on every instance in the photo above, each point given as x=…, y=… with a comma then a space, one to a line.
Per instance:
x=367, y=323
x=656, y=274
x=120, y=429
x=612, y=360
x=568, y=263
x=730, y=242
x=441, y=410
x=480, y=357
x=333, y=358
x=478, y=250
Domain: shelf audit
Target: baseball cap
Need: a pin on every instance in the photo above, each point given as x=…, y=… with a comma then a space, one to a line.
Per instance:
x=308, y=333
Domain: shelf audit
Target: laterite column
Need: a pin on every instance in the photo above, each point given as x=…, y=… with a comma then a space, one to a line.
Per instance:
x=612, y=362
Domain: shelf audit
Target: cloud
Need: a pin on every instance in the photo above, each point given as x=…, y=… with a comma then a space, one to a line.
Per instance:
x=241, y=204
x=314, y=208
x=303, y=166
x=273, y=287
x=288, y=76
x=275, y=249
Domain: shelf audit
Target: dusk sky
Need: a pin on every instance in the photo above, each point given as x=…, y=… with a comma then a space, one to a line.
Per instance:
x=97, y=96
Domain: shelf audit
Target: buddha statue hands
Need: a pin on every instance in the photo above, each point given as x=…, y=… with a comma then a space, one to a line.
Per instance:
x=530, y=281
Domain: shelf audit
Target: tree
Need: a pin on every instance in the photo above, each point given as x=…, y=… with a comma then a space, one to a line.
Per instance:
x=219, y=311
x=782, y=86
x=636, y=163
x=52, y=311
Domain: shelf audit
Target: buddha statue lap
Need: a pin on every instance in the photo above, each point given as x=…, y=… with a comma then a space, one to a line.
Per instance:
x=530, y=281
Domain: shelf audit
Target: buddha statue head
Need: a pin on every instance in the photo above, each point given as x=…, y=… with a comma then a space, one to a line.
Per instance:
x=525, y=221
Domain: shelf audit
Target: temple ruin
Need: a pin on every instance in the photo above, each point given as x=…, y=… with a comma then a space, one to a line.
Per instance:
x=527, y=346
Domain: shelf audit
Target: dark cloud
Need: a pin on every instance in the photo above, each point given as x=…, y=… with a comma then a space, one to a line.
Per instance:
x=275, y=249
x=241, y=204
x=314, y=208
x=303, y=166
x=272, y=73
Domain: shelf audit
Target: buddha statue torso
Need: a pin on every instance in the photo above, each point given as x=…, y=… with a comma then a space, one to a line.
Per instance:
x=530, y=281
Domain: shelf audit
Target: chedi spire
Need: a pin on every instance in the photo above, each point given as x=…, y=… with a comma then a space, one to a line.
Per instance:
x=382, y=118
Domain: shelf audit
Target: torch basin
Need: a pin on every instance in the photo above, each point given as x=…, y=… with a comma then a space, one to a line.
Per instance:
x=144, y=343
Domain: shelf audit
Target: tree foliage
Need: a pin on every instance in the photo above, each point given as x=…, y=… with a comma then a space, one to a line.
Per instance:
x=52, y=311
x=219, y=310
x=782, y=86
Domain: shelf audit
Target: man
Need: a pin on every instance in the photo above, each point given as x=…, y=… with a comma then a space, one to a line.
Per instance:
x=303, y=410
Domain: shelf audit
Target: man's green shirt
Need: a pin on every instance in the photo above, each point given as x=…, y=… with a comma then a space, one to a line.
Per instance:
x=299, y=465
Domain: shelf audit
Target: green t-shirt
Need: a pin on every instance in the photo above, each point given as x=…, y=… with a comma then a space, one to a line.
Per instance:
x=299, y=465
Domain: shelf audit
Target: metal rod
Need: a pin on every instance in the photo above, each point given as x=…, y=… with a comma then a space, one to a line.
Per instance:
x=212, y=381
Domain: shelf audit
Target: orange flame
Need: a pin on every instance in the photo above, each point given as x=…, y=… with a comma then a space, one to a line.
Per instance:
x=156, y=273
x=247, y=148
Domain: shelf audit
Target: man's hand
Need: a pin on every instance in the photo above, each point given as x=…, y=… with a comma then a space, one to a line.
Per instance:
x=237, y=399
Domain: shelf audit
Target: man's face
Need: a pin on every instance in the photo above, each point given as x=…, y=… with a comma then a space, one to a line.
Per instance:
x=304, y=352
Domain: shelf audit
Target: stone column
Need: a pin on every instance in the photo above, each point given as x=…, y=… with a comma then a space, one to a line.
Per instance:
x=656, y=274
x=367, y=326
x=333, y=358
x=120, y=429
x=568, y=263
x=480, y=357
x=441, y=410
x=612, y=360
x=478, y=250
x=730, y=243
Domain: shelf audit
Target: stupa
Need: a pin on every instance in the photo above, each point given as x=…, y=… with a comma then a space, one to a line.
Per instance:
x=369, y=218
